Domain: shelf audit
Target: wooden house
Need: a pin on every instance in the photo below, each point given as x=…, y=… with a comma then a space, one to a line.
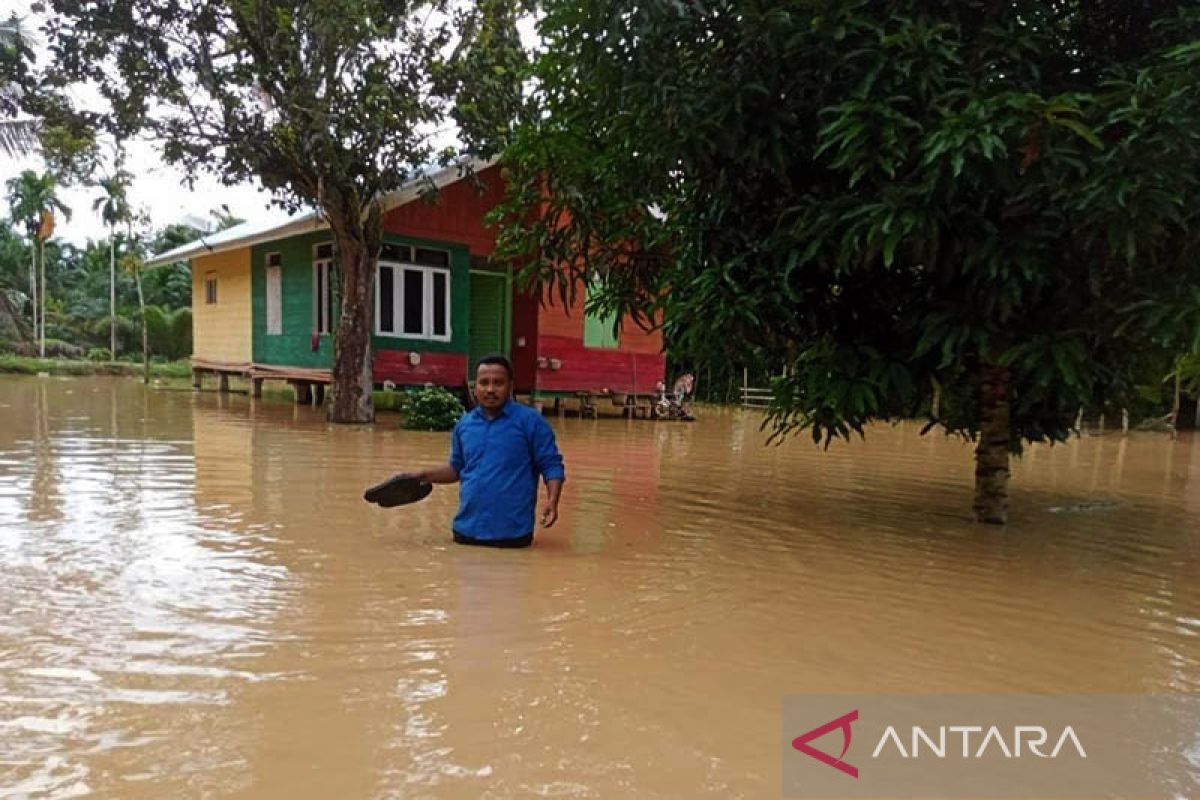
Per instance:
x=264, y=304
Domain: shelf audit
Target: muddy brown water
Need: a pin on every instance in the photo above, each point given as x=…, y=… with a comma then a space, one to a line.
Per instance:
x=195, y=601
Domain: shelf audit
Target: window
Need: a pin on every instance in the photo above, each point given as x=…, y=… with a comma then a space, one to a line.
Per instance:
x=600, y=330
x=412, y=296
x=210, y=289
x=322, y=291
x=274, y=294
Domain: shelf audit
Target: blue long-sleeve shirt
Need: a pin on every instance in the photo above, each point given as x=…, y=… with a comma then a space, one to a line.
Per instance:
x=498, y=462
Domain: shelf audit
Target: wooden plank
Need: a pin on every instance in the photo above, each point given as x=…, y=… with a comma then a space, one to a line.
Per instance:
x=210, y=365
x=275, y=372
x=303, y=394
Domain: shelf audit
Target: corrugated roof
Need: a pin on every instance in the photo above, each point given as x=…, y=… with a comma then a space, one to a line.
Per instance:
x=273, y=229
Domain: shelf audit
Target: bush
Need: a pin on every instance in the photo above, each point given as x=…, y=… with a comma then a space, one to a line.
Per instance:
x=169, y=332
x=99, y=354
x=55, y=348
x=389, y=400
x=432, y=409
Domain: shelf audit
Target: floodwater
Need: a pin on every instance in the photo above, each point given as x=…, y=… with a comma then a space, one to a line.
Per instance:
x=195, y=601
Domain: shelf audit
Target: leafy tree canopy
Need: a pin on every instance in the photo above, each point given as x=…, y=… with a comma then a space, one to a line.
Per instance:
x=979, y=211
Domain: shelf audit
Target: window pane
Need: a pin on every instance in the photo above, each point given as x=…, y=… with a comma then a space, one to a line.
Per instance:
x=387, y=300
x=439, y=303
x=396, y=252
x=432, y=258
x=321, y=298
x=274, y=301
x=598, y=331
x=324, y=251
x=414, y=302
x=327, y=305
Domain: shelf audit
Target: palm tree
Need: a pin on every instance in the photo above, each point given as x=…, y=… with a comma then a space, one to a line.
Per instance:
x=18, y=137
x=115, y=210
x=33, y=200
x=132, y=262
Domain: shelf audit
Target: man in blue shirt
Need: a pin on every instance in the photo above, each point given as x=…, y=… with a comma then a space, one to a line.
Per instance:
x=497, y=452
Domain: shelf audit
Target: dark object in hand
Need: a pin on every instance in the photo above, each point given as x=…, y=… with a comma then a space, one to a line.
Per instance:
x=398, y=490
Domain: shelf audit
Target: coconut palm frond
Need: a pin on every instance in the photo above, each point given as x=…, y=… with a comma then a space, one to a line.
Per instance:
x=18, y=137
x=13, y=32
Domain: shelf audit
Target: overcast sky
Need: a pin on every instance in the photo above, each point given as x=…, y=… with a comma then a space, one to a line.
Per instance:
x=157, y=188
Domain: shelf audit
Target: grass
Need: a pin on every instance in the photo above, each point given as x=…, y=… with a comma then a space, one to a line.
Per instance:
x=21, y=365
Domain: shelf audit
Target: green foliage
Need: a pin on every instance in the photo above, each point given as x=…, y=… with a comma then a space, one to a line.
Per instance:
x=31, y=194
x=385, y=400
x=170, y=332
x=432, y=409
x=18, y=137
x=25, y=365
x=883, y=198
x=78, y=306
x=99, y=354
x=113, y=204
x=329, y=104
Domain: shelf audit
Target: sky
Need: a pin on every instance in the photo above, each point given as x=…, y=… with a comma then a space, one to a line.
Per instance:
x=157, y=188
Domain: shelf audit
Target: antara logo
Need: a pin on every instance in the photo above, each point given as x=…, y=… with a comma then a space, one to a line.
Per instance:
x=1024, y=740
x=801, y=743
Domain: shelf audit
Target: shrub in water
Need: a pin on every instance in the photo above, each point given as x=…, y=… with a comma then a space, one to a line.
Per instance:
x=432, y=409
x=388, y=400
x=55, y=348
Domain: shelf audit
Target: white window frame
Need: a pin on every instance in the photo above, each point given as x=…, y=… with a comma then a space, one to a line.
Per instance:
x=398, y=268
x=273, y=274
x=319, y=265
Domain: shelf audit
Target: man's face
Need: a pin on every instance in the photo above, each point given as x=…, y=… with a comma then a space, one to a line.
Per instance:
x=492, y=386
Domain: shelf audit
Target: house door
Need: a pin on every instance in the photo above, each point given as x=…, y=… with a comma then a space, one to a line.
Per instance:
x=489, y=316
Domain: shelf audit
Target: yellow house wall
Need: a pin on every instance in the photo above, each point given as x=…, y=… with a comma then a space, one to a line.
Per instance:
x=222, y=331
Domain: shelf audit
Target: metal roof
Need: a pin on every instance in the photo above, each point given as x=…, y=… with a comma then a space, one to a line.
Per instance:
x=270, y=230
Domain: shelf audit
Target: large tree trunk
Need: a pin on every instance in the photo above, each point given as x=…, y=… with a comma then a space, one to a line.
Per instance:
x=991, y=451
x=357, y=238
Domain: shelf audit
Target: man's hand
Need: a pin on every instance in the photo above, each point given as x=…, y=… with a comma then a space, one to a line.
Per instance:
x=553, y=492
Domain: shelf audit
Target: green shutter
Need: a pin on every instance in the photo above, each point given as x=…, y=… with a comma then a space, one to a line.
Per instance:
x=487, y=315
x=599, y=331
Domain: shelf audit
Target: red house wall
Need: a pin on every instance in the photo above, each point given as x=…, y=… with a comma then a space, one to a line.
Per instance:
x=441, y=369
x=549, y=333
x=456, y=215
x=524, y=328
x=635, y=365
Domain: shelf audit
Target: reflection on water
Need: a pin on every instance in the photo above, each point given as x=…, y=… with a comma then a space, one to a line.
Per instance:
x=196, y=602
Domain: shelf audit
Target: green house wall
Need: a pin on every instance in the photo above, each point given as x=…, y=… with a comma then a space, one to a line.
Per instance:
x=293, y=346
